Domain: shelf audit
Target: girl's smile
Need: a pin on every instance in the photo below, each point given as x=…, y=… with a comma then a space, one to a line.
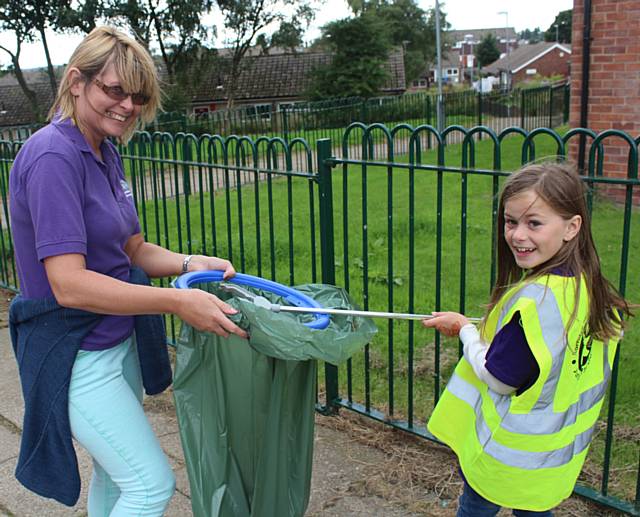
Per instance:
x=535, y=232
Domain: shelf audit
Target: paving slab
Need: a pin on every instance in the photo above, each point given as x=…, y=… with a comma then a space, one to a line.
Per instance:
x=337, y=465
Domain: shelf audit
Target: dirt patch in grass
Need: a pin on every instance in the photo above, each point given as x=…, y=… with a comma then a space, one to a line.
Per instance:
x=420, y=475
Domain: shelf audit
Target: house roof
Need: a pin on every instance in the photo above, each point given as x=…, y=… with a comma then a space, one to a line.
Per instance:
x=476, y=35
x=31, y=75
x=523, y=56
x=14, y=106
x=283, y=75
x=450, y=59
x=264, y=77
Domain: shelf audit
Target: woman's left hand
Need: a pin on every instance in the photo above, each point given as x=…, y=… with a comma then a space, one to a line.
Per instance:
x=202, y=262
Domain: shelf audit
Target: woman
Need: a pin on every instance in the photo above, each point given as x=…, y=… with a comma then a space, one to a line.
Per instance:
x=76, y=237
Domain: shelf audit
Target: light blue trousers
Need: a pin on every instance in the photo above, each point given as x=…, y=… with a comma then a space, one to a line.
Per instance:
x=131, y=474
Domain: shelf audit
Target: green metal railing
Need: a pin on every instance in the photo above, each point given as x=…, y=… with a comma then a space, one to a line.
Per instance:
x=401, y=218
x=530, y=108
x=17, y=133
x=385, y=387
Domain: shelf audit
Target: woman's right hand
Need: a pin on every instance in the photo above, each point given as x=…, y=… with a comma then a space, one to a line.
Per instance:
x=207, y=312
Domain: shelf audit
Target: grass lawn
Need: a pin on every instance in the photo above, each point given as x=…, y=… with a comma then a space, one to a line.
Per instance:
x=271, y=229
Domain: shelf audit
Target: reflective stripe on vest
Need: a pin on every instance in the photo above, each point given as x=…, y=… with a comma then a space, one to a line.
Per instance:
x=553, y=331
x=533, y=423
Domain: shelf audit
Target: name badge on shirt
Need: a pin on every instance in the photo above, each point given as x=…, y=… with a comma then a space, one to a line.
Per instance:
x=126, y=189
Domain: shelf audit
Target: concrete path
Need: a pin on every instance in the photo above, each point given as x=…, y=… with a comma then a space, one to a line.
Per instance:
x=337, y=462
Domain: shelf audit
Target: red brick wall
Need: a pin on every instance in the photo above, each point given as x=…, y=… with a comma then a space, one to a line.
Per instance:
x=614, y=79
x=552, y=63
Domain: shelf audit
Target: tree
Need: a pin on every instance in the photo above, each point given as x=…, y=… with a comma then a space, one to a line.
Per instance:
x=359, y=47
x=560, y=29
x=531, y=36
x=13, y=19
x=288, y=37
x=192, y=69
x=175, y=25
x=82, y=17
x=244, y=20
x=407, y=26
x=487, y=50
x=40, y=15
x=25, y=20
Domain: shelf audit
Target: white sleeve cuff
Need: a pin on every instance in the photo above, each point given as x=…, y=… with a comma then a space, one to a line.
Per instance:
x=475, y=352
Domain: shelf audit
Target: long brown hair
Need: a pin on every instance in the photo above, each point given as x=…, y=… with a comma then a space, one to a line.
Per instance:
x=560, y=186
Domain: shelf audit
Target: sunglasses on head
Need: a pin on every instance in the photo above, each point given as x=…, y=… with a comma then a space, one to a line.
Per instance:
x=118, y=94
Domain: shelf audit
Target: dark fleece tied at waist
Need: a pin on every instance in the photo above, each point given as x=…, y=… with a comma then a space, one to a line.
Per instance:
x=46, y=338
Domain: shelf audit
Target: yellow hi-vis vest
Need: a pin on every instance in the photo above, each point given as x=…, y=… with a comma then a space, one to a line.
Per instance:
x=526, y=451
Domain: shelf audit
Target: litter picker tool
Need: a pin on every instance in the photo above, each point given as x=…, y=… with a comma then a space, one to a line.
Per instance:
x=300, y=303
x=261, y=301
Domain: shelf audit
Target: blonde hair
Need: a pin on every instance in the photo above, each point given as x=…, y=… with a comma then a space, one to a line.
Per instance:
x=133, y=65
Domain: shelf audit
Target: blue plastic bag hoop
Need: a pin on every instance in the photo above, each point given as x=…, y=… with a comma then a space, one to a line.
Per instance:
x=293, y=297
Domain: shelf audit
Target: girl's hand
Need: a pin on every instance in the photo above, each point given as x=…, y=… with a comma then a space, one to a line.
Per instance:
x=448, y=323
x=206, y=312
x=202, y=262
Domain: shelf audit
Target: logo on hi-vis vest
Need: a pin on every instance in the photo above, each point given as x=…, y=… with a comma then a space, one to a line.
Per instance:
x=582, y=353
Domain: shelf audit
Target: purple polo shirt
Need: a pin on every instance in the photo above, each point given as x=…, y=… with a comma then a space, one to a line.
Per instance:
x=64, y=199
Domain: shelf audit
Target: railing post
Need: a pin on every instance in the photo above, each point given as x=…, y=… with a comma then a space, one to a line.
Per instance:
x=186, y=157
x=522, y=119
x=285, y=124
x=428, y=113
x=480, y=108
x=550, y=107
x=567, y=98
x=327, y=253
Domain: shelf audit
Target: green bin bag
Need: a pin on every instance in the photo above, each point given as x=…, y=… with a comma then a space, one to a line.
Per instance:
x=246, y=407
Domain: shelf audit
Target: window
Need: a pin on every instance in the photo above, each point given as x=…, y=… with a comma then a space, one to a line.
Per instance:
x=531, y=71
x=263, y=111
x=201, y=111
x=259, y=110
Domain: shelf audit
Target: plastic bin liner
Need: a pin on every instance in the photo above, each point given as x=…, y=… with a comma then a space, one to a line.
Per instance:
x=246, y=407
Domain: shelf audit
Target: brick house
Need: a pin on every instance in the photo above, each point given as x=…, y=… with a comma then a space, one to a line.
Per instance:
x=464, y=42
x=539, y=59
x=458, y=60
x=451, y=73
x=612, y=95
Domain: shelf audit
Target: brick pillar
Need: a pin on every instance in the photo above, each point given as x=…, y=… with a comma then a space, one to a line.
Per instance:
x=614, y=78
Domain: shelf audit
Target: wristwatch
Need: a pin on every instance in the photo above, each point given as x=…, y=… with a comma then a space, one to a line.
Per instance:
x=185, y=263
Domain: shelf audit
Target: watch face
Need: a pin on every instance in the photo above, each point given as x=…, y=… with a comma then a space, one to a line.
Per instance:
x=185, y=263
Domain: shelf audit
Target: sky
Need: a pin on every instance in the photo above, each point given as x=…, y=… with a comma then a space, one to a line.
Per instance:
x=461, y=14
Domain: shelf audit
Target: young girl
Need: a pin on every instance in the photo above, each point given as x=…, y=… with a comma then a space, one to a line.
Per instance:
x=522, y=404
